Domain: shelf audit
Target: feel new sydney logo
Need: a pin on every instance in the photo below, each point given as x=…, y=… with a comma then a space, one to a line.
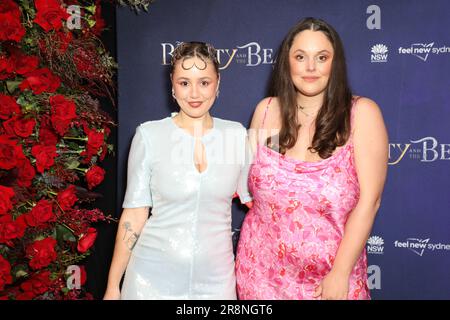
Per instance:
x=424, y=50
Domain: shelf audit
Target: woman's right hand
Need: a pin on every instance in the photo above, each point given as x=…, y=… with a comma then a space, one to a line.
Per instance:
x=112, y=294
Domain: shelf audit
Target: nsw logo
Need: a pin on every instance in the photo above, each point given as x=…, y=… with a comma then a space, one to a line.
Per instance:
x=375, y=245
x=379, y=53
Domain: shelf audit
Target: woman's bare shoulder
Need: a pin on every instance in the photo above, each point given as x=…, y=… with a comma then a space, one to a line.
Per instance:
x=366, y=110
x=269, y=107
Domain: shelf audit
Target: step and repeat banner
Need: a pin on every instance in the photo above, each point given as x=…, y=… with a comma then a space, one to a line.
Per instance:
x=398, y=54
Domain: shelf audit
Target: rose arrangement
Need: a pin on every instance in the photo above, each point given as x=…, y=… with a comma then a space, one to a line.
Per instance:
x=53, y=137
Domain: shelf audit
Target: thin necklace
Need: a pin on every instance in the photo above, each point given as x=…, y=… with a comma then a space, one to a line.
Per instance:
x=299, y=107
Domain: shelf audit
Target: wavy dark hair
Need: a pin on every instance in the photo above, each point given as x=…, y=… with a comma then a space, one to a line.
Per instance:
x=333, y=118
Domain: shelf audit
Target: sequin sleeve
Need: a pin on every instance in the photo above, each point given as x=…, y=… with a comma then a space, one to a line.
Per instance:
x=138, y=193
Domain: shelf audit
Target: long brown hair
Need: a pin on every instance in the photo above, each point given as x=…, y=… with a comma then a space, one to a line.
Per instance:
x=333, y=118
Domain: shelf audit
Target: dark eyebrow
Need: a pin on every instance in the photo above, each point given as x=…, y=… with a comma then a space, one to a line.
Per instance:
x=322, y=51
x=184, y=78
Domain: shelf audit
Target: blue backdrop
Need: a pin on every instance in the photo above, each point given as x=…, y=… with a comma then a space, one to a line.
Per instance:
x=398, y=54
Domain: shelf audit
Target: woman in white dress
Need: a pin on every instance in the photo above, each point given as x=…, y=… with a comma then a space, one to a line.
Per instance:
x=186, y=168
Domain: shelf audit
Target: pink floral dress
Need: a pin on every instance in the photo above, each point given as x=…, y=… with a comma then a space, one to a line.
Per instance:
x=290, y=237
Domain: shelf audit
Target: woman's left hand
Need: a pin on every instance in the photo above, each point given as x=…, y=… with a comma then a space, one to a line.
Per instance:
x=333, y=286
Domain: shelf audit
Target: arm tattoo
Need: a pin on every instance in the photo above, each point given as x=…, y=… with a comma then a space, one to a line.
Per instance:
x=130, y=242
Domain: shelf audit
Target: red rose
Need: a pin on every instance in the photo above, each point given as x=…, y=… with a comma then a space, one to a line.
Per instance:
x=9, y=152
x=10, y=229
x=45, y=156
x=67, y=198
x=24, y=64
x=20, y=226
x=5, y=273
x=40, y=80
x=6, y=68
x=27, y=295
x=10, y=7
x=38, y=284
x=11, y=28
x=95, y=141
x=41, y=213
x=8, y=125
x=63, y=112
x=49, y=14
x=26, y=172
x=87, y=240
x=94, y=176
x=10, y=24
x=24, y=127
x=99, y=22
x=6, y=194
x=46, y=136
x=7, y=228
x=8, y=106
x=41, y=253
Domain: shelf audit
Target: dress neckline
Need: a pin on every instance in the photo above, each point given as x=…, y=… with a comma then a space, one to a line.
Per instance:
x=304, y=162
x=186, y=133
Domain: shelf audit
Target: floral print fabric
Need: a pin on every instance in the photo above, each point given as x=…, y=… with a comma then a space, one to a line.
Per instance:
x=290, y=237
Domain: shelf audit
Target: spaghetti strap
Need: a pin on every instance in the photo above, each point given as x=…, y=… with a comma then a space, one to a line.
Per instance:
x=265, y=112
x=352, y=115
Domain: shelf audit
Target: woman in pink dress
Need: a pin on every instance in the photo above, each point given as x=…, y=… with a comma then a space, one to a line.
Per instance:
x=317, y=178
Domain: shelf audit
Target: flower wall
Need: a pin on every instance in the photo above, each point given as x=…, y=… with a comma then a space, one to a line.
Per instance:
x=53, y=138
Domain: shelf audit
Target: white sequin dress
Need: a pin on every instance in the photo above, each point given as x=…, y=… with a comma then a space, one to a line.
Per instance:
x=185, y=248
